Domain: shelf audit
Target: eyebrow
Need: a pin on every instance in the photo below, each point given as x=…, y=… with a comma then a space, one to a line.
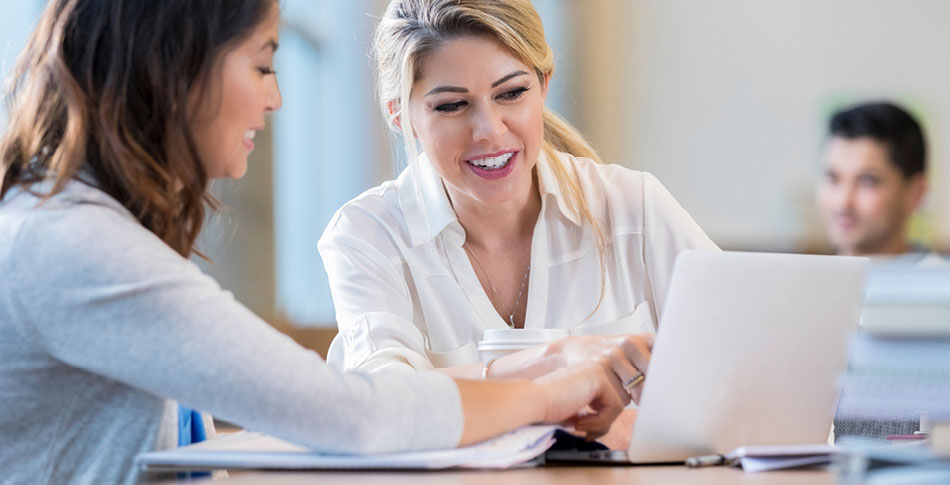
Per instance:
x=273, y=44
x=507, y=78
x=456, y=89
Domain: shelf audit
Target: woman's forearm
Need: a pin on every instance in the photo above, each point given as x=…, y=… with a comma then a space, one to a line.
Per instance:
x=529, y=363
x=492, y=408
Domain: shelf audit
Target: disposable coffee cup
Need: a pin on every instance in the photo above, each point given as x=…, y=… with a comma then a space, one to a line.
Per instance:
x=499, y=342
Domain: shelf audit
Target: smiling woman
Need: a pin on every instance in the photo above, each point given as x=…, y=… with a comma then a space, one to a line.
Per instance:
x=506, y=220
x=480, y=123
x=120, y=113
x=246, y=91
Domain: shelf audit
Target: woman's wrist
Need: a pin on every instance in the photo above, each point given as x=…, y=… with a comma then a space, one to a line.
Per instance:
x=529, y=363
x=538, y=396
x=491, y=408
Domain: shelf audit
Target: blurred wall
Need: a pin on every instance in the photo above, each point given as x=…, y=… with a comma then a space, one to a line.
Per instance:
x=726, y=101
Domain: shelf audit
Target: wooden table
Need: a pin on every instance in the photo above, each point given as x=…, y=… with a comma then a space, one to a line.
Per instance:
x=666, y=475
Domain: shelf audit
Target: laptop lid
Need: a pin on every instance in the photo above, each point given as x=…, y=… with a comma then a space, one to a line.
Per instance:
x=748, y=352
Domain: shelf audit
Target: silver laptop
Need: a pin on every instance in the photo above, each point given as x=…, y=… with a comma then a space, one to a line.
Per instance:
x=749, y=350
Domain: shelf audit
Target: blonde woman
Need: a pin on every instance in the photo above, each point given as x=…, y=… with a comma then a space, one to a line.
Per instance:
x=119, y=117
x=506, y=219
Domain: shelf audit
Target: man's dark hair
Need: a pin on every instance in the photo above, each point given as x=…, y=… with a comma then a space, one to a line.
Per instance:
x=889, y=125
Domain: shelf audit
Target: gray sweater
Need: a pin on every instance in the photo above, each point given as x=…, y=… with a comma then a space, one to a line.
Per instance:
x=102, y=325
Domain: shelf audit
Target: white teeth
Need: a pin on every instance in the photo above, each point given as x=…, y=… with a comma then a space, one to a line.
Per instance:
x=249, y=135
x=492, y=163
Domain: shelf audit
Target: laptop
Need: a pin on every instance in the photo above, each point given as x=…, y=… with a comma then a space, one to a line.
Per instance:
x=749, y=351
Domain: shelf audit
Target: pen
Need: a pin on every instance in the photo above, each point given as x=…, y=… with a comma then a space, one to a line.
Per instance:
x=706, y=460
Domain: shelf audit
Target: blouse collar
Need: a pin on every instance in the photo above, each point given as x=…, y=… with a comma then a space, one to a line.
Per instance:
x=428, y=211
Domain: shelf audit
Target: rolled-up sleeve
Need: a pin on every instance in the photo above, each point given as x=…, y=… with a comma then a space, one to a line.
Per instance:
x=374, y=307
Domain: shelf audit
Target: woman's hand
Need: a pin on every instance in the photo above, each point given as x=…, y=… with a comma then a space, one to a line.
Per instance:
x=618, y=438
x=627, y=355
x=586, y=396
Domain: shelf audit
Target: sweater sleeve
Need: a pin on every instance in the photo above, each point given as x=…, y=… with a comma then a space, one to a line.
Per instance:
x=101, y=293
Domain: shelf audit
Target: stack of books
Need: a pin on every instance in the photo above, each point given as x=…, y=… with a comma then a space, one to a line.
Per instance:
x=899, y=373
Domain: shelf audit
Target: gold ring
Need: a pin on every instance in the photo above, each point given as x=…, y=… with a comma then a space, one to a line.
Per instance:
x=634, y=381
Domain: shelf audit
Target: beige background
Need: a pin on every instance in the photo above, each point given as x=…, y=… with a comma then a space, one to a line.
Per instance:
x=724, y=100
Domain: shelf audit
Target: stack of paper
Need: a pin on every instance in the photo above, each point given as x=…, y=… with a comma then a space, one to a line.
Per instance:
x=894, y=464
x=248, y=450
x=901, y=377
x=900, y=363
x=908, y=302
x=899, y=372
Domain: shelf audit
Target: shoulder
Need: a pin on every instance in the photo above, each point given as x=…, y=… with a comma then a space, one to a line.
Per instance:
x=79, y=214
x=932, y=260
x=614, y=193
x=374, y=216
x=611, y=180
x=81, y=234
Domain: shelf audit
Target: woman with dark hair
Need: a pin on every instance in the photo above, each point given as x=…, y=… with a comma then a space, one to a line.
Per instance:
x=120, y=113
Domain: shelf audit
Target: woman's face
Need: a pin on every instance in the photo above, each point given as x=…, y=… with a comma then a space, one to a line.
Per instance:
x=239, y=97
x=478, y=112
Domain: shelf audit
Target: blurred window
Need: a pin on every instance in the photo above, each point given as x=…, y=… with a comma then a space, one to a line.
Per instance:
x=15, y=25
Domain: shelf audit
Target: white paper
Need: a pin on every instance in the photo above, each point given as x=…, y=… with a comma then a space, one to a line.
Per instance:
x=759, y=464
x=782, y=451
x=765, y=458
x=249, y=450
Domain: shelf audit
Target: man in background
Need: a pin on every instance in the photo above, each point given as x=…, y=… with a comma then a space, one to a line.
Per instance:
x=874, y=180
x=875, y=162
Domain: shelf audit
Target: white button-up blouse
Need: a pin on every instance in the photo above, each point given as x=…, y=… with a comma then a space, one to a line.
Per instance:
x=406, y=293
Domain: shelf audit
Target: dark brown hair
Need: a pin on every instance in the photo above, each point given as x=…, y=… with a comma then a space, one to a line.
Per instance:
x=889, y=124
x=103, y=86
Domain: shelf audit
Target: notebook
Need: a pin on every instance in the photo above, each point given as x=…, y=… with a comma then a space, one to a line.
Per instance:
x=250, y=450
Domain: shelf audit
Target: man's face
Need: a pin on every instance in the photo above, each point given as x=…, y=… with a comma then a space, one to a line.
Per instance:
x=864, y=199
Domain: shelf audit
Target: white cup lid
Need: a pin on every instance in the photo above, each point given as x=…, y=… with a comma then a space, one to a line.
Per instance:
x=483, y=346
x=523, y=335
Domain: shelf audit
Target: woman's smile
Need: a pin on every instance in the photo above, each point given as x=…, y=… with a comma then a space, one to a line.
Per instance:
x=494, y=166
x=478, y=111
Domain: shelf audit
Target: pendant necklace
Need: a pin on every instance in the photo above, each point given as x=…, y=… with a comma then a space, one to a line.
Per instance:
x=524, y=282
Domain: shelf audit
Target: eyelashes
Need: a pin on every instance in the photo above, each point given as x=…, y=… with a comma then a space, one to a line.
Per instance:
x=514, y=93
x=450, y=107
x=266, y=70
x=509, y=95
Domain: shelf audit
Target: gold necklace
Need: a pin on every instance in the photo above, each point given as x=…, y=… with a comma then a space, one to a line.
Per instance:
x=524, y=281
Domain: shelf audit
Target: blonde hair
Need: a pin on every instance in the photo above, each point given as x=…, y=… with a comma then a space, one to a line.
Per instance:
x=413, y=29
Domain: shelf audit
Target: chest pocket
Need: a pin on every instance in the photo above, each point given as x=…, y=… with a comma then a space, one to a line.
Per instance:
x=464, y=355
x=640, y=321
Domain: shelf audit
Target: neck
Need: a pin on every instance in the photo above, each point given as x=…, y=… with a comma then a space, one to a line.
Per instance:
x=893, y=247
x=494, y=226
